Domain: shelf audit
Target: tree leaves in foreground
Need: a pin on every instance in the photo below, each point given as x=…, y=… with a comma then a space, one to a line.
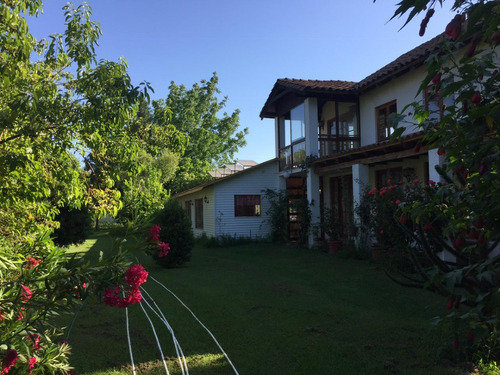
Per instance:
x=459, y=218
x=55, y=100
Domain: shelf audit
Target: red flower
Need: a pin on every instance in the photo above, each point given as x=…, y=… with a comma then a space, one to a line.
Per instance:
x=441, y=151
x=163, y=249
x=431, y=183
x=403, y=219
x=476, y=98
x=449, y=304
x=470, y=336
x=428, y=227
x=31, y=364
x=26, y=293
x=9, y=361
x=436, y=79
x=32, y=262
x=456, y=345
x=458, y=243
x=36, y=342
x=398, y=202
x=454, y=28
x=479, y=223
x=154, y=232
x=136, y=275
x=473, y=234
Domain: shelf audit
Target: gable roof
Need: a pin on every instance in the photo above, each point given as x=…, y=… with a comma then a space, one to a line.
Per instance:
x=303, y=87
x=222, y=179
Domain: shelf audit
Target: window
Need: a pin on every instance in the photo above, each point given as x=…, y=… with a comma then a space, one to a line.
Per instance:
x=247, y=205
x=435, y=103
x=198, y=213
x=187, y=208
x=384, y=126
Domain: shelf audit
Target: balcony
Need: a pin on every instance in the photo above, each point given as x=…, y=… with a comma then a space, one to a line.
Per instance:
x=293, y=156
x=330, y=145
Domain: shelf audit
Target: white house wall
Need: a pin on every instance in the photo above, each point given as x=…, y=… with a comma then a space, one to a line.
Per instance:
x=251, y=182
x=402, y=89
x=207, y=195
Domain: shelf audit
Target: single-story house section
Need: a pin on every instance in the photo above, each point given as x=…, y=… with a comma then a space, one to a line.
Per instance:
x=234, y=205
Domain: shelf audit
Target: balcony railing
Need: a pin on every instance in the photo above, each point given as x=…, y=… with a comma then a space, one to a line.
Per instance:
x=293, y=156
x=330, y=145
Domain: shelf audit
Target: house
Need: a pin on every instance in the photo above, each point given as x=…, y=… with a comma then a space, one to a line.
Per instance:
x=233, y=205
x=229, y=169
x=342, y=129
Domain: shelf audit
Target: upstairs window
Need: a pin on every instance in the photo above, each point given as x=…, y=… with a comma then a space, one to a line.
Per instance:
x=247, y=205
x=384, y=126
x=435, y=103
x=198, y=213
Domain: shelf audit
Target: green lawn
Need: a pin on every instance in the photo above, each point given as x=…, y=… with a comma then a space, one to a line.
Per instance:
x=275, y=310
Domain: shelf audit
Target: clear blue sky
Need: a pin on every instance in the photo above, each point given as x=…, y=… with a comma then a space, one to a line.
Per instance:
x=250, y=44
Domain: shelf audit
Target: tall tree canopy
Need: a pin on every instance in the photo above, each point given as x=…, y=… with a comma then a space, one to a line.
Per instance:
x=212, y=138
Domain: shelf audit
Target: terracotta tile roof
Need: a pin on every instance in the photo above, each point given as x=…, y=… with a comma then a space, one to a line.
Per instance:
x=401, y=65
x=309, y=85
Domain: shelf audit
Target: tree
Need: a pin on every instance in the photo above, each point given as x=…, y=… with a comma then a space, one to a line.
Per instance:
x=47, y=113
x=143, y=194
x=461, y=215
x=211, y=140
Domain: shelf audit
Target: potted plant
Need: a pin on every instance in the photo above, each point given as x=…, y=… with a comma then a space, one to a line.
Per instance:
x=333, y=229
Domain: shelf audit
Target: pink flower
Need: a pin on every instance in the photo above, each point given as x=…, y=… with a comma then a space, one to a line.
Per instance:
x=9, y=361
x=154, y=232
x=163, y=249
x=26, y=293
x=36, y=342
x=398, y=202
x=136, y=275
x=476, y=98
x=431, y=183
x=454, y=28
x=31, y=364
x=112, y=296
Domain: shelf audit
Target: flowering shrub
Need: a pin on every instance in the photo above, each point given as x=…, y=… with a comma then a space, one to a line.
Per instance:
x=118, y=296
x=457, y=229
x=171, y=239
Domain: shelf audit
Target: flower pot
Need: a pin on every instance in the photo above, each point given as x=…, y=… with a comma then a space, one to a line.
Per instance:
x=334, y=246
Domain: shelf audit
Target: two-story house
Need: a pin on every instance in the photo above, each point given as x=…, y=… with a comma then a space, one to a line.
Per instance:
x=340, y=130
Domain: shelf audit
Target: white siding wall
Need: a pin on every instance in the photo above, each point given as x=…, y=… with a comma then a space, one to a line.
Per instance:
x=208, y=210
x=402, y=89
x=252, y=182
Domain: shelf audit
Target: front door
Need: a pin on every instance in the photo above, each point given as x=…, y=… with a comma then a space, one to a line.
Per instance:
x=341, y=200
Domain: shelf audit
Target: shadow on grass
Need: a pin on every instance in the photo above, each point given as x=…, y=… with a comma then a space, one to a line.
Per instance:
x=99, y=336
x=274, y=309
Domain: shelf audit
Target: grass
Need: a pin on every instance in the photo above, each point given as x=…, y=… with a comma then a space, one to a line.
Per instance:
x=275, y=310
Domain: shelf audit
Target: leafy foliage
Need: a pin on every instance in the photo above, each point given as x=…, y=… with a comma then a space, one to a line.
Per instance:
x=47, y=112
x=212, y=139
x=461, y=217
x=277, y=214
x=176, y=231
x=74, y=226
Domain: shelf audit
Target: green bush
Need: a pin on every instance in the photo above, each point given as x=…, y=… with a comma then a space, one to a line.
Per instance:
x=176, y=231
x=74, y=228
